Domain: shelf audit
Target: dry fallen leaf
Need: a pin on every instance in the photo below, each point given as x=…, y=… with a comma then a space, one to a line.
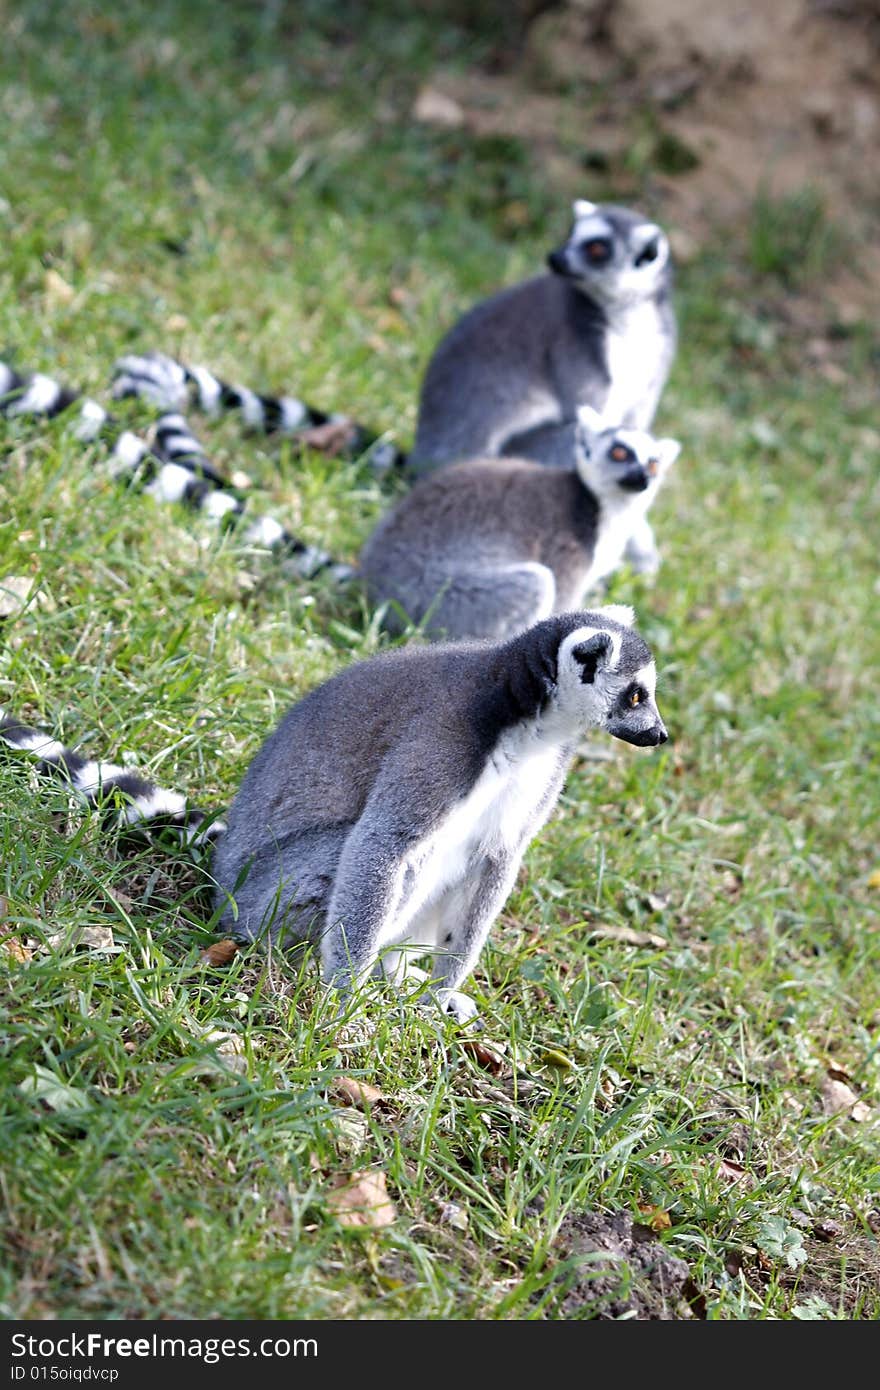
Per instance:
x=220, y=952
x=837, y=1098
x=97, y=938
x=605, y=1093
x=628, y=936
x=14, y=949
x=359, y=1093
x=54, y=1093
x=56, y=289
x=451, y=1214
x=483, y=1054
x=351, y=1130
x=874, y=879
x=838, y=1072
x=655, y=1217
x=435, y=108
x=361, y=1201
x=15, y=590
x=332, y=438
x=400, y=296
x=730, y=1171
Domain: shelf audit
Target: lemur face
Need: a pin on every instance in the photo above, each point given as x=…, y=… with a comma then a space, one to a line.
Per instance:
x=617, y=463
x=612, y=253
x=607, y=679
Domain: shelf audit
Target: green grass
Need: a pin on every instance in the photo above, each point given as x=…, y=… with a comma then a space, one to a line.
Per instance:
x=169, y=1132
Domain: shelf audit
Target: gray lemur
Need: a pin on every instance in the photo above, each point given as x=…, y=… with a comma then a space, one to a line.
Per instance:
x=387, y=815
x=597, y=330
x=489, y=547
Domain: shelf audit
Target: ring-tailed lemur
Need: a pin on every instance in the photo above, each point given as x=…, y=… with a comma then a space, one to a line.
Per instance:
x=171, y=465
x=489, y=547
x=390, y=810
x=126, y=799
x=597, y=330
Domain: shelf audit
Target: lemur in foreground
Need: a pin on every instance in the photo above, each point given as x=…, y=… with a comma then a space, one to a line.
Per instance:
x=489, y=547
x=598, y=330
x=387, y=815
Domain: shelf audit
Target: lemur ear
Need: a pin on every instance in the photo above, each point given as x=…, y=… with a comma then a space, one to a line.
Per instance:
x=617, y=613
x=590, y=419
x=592, y=654
x=590, y=426
x=668, y=451
x=581, y=208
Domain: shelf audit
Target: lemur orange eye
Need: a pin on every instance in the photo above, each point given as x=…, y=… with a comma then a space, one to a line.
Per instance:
x=598, y=250
x=619, y=454
x=635, y=698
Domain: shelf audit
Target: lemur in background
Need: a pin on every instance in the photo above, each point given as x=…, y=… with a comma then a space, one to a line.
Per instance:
x=598, y=330
x=506, y=380
x=387, y=815
x=489, y=547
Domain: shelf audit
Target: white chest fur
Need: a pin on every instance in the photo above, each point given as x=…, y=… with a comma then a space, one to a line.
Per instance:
x=636, y=350
x=618, y=519
x=496, y=818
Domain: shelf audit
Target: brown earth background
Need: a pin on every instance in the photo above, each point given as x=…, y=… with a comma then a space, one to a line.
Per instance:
x=698, y=109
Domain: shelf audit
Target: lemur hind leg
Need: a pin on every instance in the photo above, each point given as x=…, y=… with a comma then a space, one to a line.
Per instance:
x=494, y=602
x=467, y=913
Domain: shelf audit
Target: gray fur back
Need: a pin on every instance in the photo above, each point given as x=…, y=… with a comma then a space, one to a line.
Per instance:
x=528, y=354
x=482, y=549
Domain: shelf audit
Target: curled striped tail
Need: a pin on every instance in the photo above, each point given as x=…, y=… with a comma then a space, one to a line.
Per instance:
x=171, y=385
x=125, y=800
x=171, y=465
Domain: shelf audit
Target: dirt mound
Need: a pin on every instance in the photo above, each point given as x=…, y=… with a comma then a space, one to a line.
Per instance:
x=698, y=110
x=622, y=1270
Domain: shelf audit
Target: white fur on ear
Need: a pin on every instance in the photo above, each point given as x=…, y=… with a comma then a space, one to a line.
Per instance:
x=590, y=419
x=668, y=451
x=581, y=208
x=617, y=613
x=571, y=666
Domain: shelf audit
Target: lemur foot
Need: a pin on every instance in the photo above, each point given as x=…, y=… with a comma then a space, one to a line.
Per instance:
x=460, y=1006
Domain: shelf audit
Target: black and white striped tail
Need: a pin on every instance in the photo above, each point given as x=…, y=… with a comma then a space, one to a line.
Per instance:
x=127, y=801
x=172, y=385
x=172, y=466
x=41, y=395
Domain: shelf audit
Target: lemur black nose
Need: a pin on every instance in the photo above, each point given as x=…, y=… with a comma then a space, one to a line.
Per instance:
x=557, y=263
x=662, y=735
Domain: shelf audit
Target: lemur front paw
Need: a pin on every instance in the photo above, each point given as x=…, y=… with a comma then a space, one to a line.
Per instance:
x=153, y=377
x=460, y=1006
